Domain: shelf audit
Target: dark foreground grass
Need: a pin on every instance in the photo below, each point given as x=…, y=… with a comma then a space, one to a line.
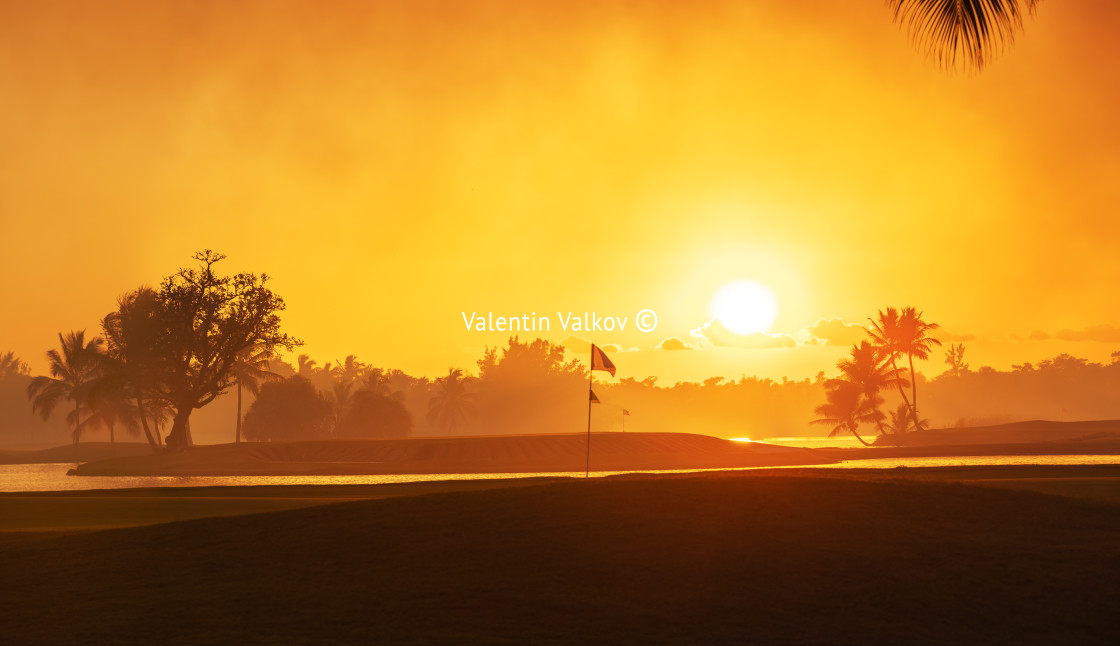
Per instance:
x=685, y=559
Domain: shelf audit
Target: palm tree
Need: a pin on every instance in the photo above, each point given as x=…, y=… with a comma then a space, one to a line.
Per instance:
x=868, y=372
x=453, y=403
x=349, y=370
x=305, y=366
x=127, y=369
x=897, y=334
x=380, y=383
x=846, y=408
x=109, y=408
x=867, y=369
x=970, y=29
x=915, y=342
x=250, y=368
x=340, y=399
x=901, y=422
x=11, y=365
x=70, y=370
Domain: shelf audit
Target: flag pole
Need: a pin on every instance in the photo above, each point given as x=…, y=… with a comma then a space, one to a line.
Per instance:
x=590, y=378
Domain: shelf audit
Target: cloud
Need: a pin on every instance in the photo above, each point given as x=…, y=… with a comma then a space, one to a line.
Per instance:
x=715, y=333
x=835, y=332
x=580, y=345
x=576, y=344
x=1095, y=333
x=673, y=343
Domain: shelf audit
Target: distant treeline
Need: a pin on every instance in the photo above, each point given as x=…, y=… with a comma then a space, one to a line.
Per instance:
x=529, y=387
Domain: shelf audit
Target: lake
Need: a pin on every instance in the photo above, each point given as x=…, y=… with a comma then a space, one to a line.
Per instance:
x=52, y=476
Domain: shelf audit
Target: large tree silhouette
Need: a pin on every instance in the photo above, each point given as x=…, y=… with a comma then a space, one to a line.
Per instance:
x=71, y=370
x=970, y=31
x=202, y=323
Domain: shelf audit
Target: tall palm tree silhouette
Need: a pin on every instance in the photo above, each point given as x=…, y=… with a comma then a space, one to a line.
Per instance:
x=846, y=407
x=453, y=403
x=128, y=369
x=250, y=368
x=904, y=334
x=70, y=371
x=866, y=369
x=969, y=29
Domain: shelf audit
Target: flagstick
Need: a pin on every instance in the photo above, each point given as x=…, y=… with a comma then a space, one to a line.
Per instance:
x=590, y=378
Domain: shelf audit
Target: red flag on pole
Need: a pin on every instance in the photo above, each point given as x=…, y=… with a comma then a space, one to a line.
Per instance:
x=600, y=361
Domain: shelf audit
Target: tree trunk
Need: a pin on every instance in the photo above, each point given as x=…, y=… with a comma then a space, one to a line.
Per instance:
x=77, y=420
x=238, y=440
x=144, y=422
x=901, y=390
x=914, y=393
x=854, y=432
x=179, y=438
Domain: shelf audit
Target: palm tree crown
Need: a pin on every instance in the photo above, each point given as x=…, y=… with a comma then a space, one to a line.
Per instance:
x=453, y=404
x=70, y=371
x=867, y=369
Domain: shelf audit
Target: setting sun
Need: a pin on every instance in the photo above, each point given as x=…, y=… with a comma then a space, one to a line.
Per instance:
x=745, y=307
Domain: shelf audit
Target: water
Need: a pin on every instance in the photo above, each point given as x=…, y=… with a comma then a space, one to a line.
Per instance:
x=52, y=476
x=838, y=442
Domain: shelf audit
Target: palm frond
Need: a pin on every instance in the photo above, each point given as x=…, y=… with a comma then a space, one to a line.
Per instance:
x=967, y=31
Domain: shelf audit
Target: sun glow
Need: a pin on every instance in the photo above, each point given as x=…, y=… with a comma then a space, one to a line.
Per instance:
x=745, y=307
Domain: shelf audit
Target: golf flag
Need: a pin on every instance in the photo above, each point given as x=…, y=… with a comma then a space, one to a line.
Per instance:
x=625, y=412
x=594, y=399
x=599, y=360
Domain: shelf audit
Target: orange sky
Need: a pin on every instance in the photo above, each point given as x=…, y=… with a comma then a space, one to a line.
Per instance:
x=392, y=165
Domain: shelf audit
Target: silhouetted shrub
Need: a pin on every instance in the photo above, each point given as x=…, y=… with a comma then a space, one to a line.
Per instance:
x=288, y=410
x=371, y=415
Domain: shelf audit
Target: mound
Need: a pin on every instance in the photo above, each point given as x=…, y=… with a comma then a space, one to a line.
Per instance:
x=634, y=560
x=1083, y=434
x=490, y=454
x=83, y=452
